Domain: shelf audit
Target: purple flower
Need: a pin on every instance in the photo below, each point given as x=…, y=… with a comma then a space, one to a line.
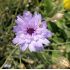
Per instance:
x=31, y=32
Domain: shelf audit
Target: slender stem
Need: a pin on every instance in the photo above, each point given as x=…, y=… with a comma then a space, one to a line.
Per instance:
x=9, y=56
x=65, y=43
x=13, y=17
x=20, y=60
x=20, y=57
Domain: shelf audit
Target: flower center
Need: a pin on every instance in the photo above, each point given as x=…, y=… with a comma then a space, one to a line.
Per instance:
x=30, y=30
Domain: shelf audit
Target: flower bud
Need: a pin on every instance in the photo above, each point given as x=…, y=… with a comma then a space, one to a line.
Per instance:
x=57, y=16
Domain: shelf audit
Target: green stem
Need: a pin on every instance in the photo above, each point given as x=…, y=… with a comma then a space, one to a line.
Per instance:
x=20, y=58
x=9, y=56
x=9, y=28
x=65, y=43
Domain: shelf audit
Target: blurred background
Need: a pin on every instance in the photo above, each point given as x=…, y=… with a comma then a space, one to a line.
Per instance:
x=56, y=55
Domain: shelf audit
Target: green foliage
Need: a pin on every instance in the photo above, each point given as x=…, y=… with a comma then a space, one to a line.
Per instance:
x=12, y=57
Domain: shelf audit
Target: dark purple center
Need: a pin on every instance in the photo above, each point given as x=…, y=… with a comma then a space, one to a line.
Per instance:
x=30, y=31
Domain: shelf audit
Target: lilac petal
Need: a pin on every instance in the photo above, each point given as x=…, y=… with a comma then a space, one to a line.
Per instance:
x=37, y=37
x=25, y=20
x=21, y=36
x=21, y=32
x=39, y=44
x=18, y=40
x=37, y=18
x=20, y=28
x=32, y=46
x=47, y=33
x=19, y=20
x=23, y=24
x=38, y=49
x=23, y=47
x=28, y=36
x=28, y=41
x=27, y=15
x=36, y=46
x=44, y=25
x=16, y=28
x=34, y=22
x=39, y=31
x=44, y=41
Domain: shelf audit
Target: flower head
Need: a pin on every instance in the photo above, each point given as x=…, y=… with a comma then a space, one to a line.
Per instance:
x=66, y=4
x=31, y=32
